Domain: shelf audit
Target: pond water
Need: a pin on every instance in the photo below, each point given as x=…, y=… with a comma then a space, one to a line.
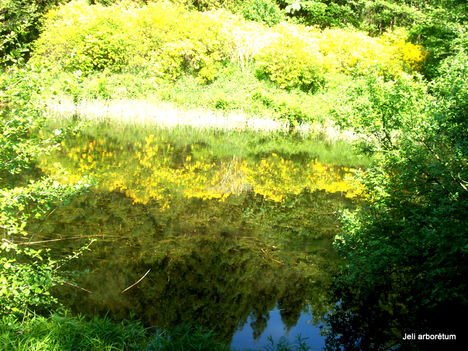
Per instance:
x=234, y=239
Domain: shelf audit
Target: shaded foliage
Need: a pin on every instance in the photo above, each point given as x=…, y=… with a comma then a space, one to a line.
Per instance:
x=405, y=250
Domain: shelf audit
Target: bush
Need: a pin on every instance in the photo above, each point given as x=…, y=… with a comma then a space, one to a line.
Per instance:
x=16, y=23
x=291, y=62
x=266, y=11
x=163, y=38
x=298, y=57
x=26, y=276
x=404, y=248
x=19, y=26
x=357, y=53
x=167, y=41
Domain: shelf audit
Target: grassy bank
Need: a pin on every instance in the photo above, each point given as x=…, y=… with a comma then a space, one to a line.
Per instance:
x=66, y=332
x=232, y=91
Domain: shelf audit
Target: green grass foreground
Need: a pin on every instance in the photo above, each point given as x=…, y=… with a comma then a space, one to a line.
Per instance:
x=71, y=333
x=66, y=332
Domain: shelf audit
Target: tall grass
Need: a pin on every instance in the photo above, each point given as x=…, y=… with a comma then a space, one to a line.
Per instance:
x=186, y=338
x=233, y=91
x=59, y=333
x=69, y=333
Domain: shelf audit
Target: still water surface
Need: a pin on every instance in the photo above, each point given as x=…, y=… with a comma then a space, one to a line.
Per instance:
x=237, y=243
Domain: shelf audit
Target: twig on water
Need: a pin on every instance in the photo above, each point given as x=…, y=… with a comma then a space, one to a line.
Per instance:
x=139, y=280
x=73, y=285
x=59, y=239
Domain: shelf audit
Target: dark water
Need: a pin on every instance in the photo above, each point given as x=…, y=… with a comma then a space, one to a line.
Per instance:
x=240, y=245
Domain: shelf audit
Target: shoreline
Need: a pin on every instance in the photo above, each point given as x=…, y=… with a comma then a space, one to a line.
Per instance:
x=134, y=111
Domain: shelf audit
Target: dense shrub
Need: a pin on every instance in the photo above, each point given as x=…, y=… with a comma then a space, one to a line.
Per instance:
x=297, y=56
x=356, y=52
x=404, y=250
x=26, y=275
x=289, y=66
x=19, y=25
x=168, y=40
x=291, y=61
x=164, y=38
x=266, y=11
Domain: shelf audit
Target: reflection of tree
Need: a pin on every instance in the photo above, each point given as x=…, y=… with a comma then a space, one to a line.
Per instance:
x=291, y=304
x=259, y=322
x=360, y=322
x=208, y=266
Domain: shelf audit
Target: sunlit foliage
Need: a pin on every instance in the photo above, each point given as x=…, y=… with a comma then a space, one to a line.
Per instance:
x=169, y=40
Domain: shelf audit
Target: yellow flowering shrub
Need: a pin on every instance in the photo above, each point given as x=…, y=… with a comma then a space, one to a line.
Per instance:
x=295, y=56
x=168, y=40
x=356, y=52
x=291, y=60
x=82, y=37
x=161, y=37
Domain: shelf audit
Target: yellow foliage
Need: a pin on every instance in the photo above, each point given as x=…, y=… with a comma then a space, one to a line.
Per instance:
x=167, y=40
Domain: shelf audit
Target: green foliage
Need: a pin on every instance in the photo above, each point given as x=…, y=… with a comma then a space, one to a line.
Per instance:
x=232, y=91
x=26, y=277
x=266, y=11
x=19, y=26
x=373, y=16
x=451, y=92
x=288, y=110
x=205, y=5
x=380, y=107
x=19, y=125
x=168, y=41
x=21, y=122
x=290, y=64
x=441, y=37
x=186, y=338
x=405, y=250
x=71, y=333
x=25, y=285
x=321, y=13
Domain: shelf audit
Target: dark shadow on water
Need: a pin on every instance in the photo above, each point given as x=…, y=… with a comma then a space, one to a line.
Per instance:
x=208, y=265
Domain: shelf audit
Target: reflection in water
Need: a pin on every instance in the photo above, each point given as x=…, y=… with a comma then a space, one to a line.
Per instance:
x=303, y=330
x=156, y=169
x=220, y=239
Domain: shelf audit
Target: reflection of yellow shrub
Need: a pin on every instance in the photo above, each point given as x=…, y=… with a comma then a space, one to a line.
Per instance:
x=153, y=170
